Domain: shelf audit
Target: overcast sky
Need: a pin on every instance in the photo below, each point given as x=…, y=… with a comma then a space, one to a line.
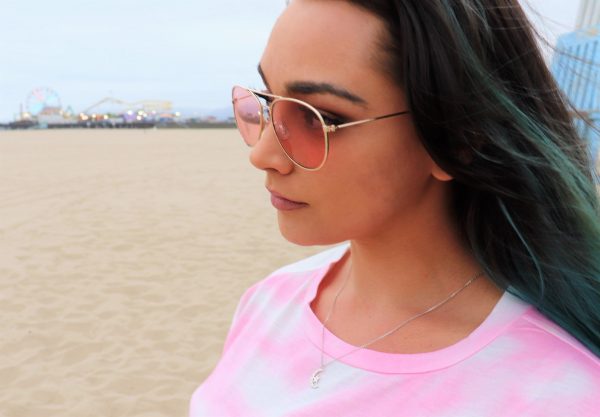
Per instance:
x=189, y=51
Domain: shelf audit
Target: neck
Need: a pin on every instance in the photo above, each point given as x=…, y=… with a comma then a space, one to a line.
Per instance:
x=408, y=267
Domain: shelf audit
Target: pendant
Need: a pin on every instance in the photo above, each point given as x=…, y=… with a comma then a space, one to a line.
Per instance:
x=316, y=377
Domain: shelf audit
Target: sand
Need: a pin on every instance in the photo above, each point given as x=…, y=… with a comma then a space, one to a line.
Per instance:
x=123, y=255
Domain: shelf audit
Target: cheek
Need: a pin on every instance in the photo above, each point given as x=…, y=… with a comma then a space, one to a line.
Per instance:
x=380, y=183
x=361, y=190
x=397, y=173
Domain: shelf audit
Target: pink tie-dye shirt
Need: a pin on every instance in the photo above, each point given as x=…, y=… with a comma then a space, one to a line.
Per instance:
x=516, y=363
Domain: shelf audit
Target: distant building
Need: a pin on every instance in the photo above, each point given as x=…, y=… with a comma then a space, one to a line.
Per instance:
x=576, y=67
x=50, y=115
x=589, y=14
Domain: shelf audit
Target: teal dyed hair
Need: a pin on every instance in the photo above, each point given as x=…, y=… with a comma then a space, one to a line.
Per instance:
x=491, y=115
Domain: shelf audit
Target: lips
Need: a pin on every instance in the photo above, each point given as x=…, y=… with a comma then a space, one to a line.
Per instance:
x=282, y=203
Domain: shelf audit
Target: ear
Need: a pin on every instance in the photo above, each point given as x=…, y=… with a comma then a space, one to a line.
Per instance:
x=439, y=174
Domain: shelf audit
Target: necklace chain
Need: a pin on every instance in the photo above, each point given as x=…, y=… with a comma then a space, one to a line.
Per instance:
x=317, y=374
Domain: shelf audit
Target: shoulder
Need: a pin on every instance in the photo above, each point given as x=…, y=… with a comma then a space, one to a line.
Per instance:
x=292, y=278
x=545, y=334
x=537, y=346
x=557, y=369
x=535, y=366
x=280, y=293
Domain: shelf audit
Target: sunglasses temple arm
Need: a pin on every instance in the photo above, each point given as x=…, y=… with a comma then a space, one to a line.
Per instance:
x=333, y=128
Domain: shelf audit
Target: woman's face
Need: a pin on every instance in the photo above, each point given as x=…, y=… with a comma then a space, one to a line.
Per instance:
x=377, y=176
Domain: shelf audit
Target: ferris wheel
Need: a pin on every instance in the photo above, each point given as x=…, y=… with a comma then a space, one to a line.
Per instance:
x=41, y=98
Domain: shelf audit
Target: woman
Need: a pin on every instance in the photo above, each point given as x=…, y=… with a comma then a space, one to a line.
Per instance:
x=431, y=136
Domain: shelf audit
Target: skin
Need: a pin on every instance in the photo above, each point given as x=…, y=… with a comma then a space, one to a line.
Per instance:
x=379, y=189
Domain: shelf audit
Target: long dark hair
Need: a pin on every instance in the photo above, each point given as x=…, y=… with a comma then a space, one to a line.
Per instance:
x=490, y=114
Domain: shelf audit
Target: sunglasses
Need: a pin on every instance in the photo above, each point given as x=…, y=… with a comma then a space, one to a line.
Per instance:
x=299, y=127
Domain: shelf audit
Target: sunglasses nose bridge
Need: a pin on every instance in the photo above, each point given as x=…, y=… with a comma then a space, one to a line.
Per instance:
x=265, y=116
x=266, y=112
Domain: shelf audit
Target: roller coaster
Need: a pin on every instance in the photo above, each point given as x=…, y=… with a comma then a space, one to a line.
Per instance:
x=145, y=105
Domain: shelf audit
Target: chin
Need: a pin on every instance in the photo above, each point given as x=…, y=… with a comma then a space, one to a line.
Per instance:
x=304, y=235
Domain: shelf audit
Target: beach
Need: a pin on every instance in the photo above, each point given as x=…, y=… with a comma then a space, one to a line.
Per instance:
x=123, y=254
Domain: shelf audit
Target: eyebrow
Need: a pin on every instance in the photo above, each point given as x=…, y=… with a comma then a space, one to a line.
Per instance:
x=311, y=87
x=262, y=75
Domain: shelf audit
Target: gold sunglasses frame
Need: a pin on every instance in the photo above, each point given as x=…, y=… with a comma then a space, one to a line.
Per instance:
x=327, y=129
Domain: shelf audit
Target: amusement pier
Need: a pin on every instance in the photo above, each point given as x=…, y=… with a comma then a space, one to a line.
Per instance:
x=43, y=109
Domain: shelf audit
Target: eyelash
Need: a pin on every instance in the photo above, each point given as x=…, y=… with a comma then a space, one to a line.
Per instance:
x=332, y=119
x=329, y=118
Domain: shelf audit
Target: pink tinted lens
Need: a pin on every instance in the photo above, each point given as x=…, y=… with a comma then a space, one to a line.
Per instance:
x=247, y=112
x=300, y=132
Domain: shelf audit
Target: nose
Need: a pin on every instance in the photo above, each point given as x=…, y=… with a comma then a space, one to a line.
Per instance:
x=267, y=153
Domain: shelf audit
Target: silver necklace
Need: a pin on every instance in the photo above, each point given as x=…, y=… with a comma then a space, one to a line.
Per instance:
x=316, y=376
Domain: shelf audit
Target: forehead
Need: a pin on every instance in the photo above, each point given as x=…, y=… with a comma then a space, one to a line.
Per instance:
x=324, y=40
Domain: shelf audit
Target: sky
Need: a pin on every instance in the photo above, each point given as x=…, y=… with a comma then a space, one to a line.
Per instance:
x=189, y=52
